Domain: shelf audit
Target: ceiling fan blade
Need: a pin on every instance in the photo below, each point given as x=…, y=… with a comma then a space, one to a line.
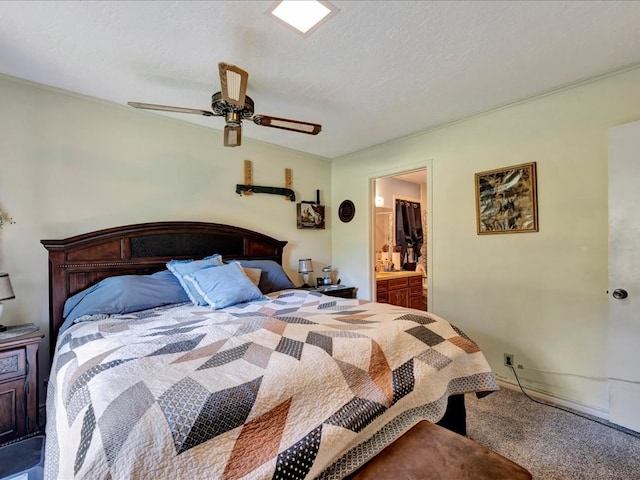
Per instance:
x=287, y=124
x=233, y=82
x=232, y=136
x=167, y=108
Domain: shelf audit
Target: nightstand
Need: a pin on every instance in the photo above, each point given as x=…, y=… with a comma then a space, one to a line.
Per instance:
x=19, y=385
x=341, y=291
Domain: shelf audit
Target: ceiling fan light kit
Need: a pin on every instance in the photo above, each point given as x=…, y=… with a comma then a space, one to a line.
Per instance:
x=233, y=103
x=232, y=136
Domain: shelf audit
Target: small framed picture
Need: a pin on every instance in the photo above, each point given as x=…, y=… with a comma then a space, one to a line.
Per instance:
x=506, y=200
x=310, y=215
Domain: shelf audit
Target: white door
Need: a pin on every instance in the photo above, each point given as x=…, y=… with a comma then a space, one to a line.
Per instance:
x=624, y=275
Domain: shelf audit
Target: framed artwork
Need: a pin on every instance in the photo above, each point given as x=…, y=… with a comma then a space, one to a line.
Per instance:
x=310, y=215
x=506, y=200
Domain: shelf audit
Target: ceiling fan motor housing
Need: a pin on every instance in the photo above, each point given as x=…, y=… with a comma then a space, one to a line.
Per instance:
x=222, y=108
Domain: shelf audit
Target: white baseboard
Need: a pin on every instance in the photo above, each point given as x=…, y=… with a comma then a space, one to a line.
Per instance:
x=563, y=402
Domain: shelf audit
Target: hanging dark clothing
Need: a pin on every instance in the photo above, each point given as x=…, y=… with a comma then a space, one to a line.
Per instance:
x=409, y=232
x=401, y=237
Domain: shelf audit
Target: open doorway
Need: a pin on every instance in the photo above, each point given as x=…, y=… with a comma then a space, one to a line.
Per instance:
x=400, y=239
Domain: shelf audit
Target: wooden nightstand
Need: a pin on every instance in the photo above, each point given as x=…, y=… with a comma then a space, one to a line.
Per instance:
x=19, y=386
x=341, y=291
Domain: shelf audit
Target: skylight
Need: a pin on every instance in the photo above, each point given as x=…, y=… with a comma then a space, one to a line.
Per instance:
x=303, y=15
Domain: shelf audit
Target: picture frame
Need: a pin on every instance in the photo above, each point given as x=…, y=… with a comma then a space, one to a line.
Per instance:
x=506, y=200
x=310, y=215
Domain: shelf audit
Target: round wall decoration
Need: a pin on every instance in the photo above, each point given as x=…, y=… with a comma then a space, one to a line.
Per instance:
x=346, y=211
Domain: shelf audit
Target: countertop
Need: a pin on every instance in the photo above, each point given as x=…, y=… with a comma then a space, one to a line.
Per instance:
x=397, y=274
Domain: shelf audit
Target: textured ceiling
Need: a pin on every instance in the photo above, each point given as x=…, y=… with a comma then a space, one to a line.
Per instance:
x=375, y=72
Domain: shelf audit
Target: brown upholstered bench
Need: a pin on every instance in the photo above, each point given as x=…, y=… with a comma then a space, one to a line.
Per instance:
x=430, y=452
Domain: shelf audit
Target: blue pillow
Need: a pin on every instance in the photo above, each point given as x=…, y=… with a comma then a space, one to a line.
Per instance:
x=182, y=268
x=124, y=294
x=272, y=278
x=224, y=286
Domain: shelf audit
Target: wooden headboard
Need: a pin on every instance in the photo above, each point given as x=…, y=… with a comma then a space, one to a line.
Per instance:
x=78, y=262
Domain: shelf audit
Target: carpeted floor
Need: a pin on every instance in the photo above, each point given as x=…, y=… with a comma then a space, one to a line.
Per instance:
x=550, y=443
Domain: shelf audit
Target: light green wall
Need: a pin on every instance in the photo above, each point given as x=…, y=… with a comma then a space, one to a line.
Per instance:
x=541, y=296
x=70, y=165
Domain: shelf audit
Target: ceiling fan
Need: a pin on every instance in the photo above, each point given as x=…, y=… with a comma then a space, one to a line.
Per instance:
x=235, y=105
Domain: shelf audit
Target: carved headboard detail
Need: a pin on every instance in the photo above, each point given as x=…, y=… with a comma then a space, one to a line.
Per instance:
x=78, y=262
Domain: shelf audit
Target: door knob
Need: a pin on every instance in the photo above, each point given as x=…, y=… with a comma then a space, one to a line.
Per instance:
x=620, y=293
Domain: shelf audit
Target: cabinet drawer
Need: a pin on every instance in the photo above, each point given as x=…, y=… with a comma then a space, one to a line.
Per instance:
x=415, y=280
x=341, y=292
x=395, y=283
x=382, y=285
x=415, y=291
x=13, y=363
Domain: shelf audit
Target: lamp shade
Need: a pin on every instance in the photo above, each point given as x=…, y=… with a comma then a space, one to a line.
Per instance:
x=6, y=291
x=305, y=265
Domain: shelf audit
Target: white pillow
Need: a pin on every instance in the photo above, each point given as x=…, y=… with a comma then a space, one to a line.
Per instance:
x=224, y=286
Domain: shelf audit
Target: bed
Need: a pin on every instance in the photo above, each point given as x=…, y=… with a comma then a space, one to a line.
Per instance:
x=285, y=384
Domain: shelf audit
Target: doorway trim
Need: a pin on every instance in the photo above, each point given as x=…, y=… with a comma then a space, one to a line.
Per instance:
x=426, y=165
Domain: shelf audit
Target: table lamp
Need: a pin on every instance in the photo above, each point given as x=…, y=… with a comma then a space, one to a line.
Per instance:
x=6, y=293
x=305, y=267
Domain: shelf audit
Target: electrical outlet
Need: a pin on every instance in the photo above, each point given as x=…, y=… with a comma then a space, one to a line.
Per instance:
x=508, y=360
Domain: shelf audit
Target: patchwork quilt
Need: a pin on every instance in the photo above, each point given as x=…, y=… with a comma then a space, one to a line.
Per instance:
x=300, y=386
